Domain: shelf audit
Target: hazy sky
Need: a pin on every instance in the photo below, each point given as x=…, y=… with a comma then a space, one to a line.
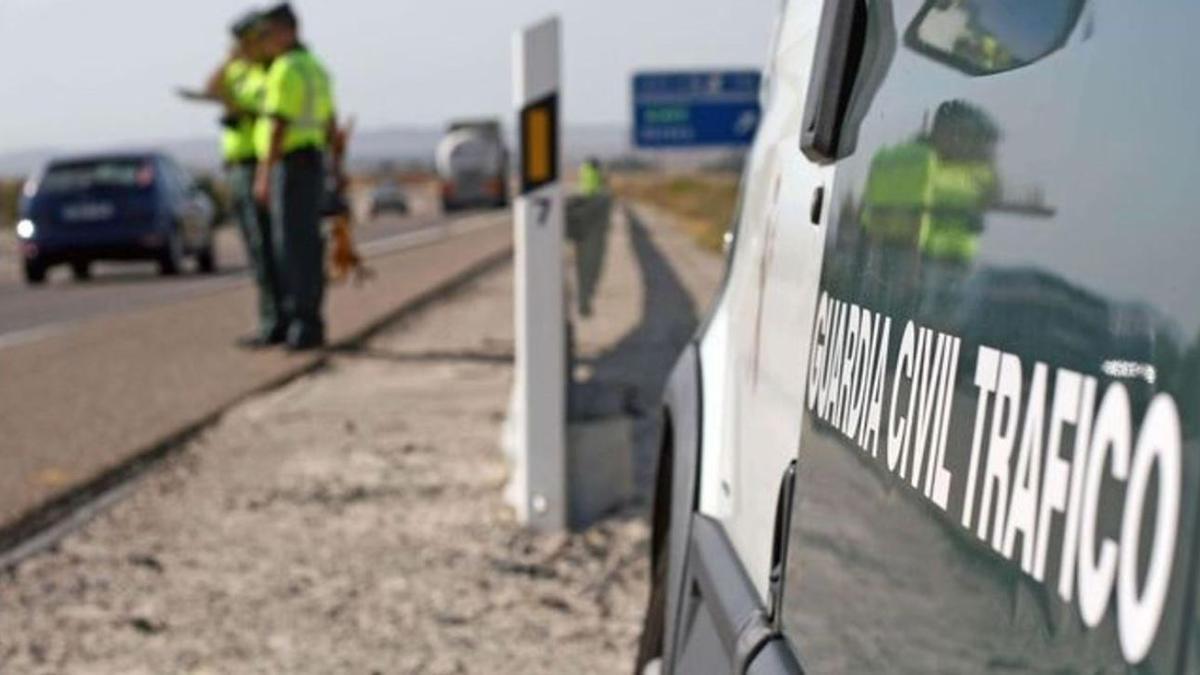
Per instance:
x=78, y=73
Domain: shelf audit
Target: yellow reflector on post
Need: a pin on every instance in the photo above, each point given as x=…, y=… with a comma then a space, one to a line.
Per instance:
x=539, y=144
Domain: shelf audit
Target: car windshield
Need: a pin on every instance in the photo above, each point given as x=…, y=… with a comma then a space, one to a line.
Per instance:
x=119, y=174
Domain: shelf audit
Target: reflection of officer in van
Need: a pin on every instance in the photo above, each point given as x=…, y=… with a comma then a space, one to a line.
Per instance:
x=985, y=51
x=923, y=208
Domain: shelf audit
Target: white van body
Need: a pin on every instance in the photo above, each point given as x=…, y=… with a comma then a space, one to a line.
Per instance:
x=749, y=372
x=753, y=371
x=1009, y=183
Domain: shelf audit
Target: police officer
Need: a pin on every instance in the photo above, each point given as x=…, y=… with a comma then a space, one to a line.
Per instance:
x=591, y=179
x=293, y=135
x=588, y=218
x=240, y=83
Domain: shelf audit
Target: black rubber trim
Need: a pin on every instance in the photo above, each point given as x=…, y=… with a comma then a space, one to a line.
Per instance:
x=779, y=546
x=728, y=594
x=775, y=658
x=753, y=636
x=683, y=402
x=839, y=52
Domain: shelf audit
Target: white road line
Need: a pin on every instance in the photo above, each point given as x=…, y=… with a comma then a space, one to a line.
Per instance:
x=27, y=335
x=455, y=228
x=392, y=244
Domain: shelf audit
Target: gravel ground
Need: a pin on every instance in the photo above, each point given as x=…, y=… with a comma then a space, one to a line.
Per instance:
x=349, y=522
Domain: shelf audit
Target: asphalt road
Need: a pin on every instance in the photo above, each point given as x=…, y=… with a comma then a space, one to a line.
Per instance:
x=95, y=374
x=29, y=313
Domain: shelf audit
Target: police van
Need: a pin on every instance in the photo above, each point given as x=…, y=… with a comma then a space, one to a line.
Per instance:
x=944, y=415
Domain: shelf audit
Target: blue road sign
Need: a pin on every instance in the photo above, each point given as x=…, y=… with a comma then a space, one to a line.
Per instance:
x=687, y=109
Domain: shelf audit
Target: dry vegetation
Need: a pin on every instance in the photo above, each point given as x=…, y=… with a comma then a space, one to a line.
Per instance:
x=704, y=202
x=10, y=193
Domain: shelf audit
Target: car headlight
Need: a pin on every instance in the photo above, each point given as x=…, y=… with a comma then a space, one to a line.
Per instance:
x=26, y=229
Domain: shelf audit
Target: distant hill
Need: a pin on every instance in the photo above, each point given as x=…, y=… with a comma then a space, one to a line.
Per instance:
x=198, y=153
x=372, y=148
x=407, y=145
x=19, y=163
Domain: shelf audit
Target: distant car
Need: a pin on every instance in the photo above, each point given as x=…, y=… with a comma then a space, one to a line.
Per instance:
x=138, y=206
x=388, y=198
x=472, y=165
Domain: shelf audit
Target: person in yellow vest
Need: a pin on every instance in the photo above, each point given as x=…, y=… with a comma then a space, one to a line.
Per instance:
x=297, y=128
x=925, y=200
x=591, y=179
x=588, y=216
x=239, y=83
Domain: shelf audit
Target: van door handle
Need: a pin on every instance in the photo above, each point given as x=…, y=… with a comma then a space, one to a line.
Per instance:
x=818, y=205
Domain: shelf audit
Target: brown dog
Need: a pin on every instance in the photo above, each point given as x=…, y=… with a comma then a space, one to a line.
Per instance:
x=344, y=260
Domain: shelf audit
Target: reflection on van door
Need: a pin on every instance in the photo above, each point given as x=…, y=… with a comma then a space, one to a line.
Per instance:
x=998, y=464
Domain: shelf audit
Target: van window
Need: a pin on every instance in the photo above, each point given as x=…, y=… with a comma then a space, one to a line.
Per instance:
x=118, y=174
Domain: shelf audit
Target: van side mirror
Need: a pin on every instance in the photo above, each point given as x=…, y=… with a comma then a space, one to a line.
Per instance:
x=980, y=37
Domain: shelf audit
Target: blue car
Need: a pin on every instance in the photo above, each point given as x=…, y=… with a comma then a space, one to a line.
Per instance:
x=138, y=206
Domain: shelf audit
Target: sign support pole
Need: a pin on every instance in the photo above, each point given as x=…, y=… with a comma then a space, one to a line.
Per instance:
x=537, y=421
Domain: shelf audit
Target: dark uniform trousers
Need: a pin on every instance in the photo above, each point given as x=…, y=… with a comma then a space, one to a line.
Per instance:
x=296, y=194
x=254, y=221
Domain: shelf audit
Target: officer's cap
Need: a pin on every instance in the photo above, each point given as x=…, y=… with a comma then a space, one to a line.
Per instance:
x=246, y=24
x=281, y=13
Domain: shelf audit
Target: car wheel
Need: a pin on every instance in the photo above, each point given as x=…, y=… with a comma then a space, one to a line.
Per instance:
x=81, y=270
x=206, y=259
x=35, y=273
x=170, y=259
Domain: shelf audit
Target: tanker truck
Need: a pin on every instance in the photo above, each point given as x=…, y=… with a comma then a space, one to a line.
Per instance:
x=472, y=165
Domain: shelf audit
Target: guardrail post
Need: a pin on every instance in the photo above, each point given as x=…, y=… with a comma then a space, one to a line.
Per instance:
x=537, y=420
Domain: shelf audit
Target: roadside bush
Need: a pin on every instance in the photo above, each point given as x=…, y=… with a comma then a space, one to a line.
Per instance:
x=704, y=203
x=10, y=198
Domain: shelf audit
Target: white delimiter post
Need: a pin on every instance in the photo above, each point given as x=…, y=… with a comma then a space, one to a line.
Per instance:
x=538, y=433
